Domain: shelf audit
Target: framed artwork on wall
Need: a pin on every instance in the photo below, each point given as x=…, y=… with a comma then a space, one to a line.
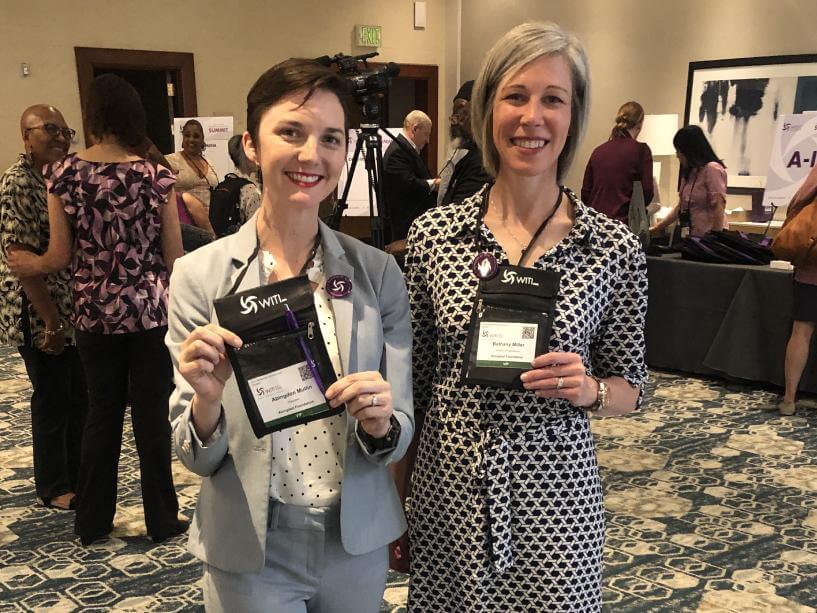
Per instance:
x=737, y=103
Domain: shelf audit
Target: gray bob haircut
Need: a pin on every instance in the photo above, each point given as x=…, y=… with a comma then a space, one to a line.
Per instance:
x=521, y=45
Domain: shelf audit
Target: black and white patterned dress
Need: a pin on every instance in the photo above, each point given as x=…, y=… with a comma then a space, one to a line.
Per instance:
x=507, y=511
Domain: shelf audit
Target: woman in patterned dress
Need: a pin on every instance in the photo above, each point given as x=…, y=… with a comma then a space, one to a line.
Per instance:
x=506, y=503
x=109, y=218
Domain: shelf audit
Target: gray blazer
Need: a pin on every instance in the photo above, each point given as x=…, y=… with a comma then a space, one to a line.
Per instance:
x=374, y=333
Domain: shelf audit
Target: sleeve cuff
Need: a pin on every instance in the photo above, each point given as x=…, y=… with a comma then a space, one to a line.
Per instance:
x=214, y=437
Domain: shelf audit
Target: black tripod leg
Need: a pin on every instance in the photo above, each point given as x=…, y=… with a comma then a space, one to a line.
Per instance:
x=341, y=205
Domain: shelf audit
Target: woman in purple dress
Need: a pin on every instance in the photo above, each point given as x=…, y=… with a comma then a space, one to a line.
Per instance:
x=110, y=221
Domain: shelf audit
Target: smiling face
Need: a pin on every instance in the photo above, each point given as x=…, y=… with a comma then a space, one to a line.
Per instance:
x=192, y=139
x=531, y=117
x=300, y=149
x=43, y=147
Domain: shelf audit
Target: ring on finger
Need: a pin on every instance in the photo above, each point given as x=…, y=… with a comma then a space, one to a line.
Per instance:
x=374, y=400
x=560, y=383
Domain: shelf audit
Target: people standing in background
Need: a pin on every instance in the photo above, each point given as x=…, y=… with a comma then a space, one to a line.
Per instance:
x=113, y=218
x=614, y=165
x=194, y=173
x=462, y=175
x=701, y=204
x=408, y=187
x=35, y=311
x=804, y=311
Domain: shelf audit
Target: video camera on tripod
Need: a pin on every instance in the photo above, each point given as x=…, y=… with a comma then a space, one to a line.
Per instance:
x=368, y=88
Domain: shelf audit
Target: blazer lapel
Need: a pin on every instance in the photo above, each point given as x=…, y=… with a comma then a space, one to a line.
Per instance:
x=335, y=263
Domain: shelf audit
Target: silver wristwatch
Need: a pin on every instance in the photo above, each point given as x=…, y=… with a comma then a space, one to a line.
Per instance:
x=603, y=397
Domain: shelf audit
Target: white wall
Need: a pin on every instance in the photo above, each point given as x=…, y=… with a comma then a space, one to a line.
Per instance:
x=640, y=49
x=233, y=43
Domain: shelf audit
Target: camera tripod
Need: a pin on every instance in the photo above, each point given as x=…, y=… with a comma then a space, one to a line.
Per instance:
x=368, y=136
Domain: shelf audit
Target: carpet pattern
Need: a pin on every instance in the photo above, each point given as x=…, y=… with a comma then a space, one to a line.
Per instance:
x=711, y=499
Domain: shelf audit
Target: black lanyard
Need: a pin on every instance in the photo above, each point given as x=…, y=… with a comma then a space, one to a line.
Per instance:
x=688, y=209
x=254, y=255
x=483, y=209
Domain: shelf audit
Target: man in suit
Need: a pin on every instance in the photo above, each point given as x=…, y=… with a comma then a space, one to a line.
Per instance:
x=462, y=174
x=408, y=186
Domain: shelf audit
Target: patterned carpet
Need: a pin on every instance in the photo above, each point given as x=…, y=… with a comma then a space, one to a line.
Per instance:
x=711, y=498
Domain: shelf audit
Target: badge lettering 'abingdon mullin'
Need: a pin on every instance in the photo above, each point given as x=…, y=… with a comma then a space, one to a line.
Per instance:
x=282, y=369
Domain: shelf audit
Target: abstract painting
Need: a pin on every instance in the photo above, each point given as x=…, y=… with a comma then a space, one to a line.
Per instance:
x=737, y=102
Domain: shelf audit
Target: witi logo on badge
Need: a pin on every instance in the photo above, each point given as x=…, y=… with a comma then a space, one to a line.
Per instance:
x=511, y=277
x=251, y=304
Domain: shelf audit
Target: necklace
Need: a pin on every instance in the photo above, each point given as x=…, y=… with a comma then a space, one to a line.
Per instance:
x=525, y=250
x=199, y=165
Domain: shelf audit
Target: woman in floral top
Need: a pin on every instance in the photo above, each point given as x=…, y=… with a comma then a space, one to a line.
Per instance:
x=109, y=221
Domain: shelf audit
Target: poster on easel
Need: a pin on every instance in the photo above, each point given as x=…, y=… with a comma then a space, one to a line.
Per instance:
x=217, y=131
x=794, y=153
x=358, y=200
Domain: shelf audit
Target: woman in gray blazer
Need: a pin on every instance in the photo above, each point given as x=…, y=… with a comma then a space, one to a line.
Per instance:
x=298, y=520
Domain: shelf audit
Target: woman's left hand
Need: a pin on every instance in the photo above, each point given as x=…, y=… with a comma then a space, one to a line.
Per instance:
x=23, y=263
x=368, y=399
x=561, y=375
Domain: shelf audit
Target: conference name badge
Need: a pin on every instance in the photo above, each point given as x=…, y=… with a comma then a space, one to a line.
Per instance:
x=506, y=344
x=289, y=392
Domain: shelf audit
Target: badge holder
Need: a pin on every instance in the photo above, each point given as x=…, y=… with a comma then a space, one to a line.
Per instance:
x=511, y=323
x=282, y=368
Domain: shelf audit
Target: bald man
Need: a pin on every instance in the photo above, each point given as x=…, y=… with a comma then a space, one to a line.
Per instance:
x=408, y=187
x=35, y=311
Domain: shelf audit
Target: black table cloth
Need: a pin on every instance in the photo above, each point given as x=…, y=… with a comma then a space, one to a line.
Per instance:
x=729, y=320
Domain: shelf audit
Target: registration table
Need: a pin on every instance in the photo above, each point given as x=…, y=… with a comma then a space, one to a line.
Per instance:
x=727, y=320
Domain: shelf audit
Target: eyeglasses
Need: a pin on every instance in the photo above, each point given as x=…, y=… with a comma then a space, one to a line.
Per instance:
x=54, y=130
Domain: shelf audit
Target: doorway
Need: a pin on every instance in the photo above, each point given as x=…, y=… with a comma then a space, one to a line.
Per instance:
x=165, y=81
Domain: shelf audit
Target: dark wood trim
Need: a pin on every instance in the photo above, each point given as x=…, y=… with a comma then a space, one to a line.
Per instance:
x=426, y=91
x=91, y=58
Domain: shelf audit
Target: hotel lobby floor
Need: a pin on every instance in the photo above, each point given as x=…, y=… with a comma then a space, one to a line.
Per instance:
x=711, y=500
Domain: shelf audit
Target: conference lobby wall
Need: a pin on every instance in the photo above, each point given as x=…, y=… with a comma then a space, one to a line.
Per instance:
x=232, y=42
x=640, y=49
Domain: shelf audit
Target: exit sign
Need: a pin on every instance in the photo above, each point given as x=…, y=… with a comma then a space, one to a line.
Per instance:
x=369, y=36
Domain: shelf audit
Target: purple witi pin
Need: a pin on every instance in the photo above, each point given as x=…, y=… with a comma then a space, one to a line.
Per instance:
x=485, y=266
x=338, y=286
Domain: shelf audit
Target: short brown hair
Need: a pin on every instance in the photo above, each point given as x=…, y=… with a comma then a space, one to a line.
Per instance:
x=289, y=77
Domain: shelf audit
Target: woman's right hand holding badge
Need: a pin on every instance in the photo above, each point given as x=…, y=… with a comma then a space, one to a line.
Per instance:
x=204, y=365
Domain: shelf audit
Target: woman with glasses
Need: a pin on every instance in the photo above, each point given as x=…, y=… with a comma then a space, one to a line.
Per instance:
x=194, y=173
x=113, y=219
x=35, y=312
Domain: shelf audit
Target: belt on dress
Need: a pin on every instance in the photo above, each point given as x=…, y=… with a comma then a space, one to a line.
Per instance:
x=494, y=465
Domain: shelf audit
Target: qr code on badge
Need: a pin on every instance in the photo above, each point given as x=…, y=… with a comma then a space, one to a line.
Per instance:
x=528, y=332
x=305, y=373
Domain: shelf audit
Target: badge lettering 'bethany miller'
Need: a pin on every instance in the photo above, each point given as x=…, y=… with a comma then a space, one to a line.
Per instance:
x=251, y=304
x=511, y=277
